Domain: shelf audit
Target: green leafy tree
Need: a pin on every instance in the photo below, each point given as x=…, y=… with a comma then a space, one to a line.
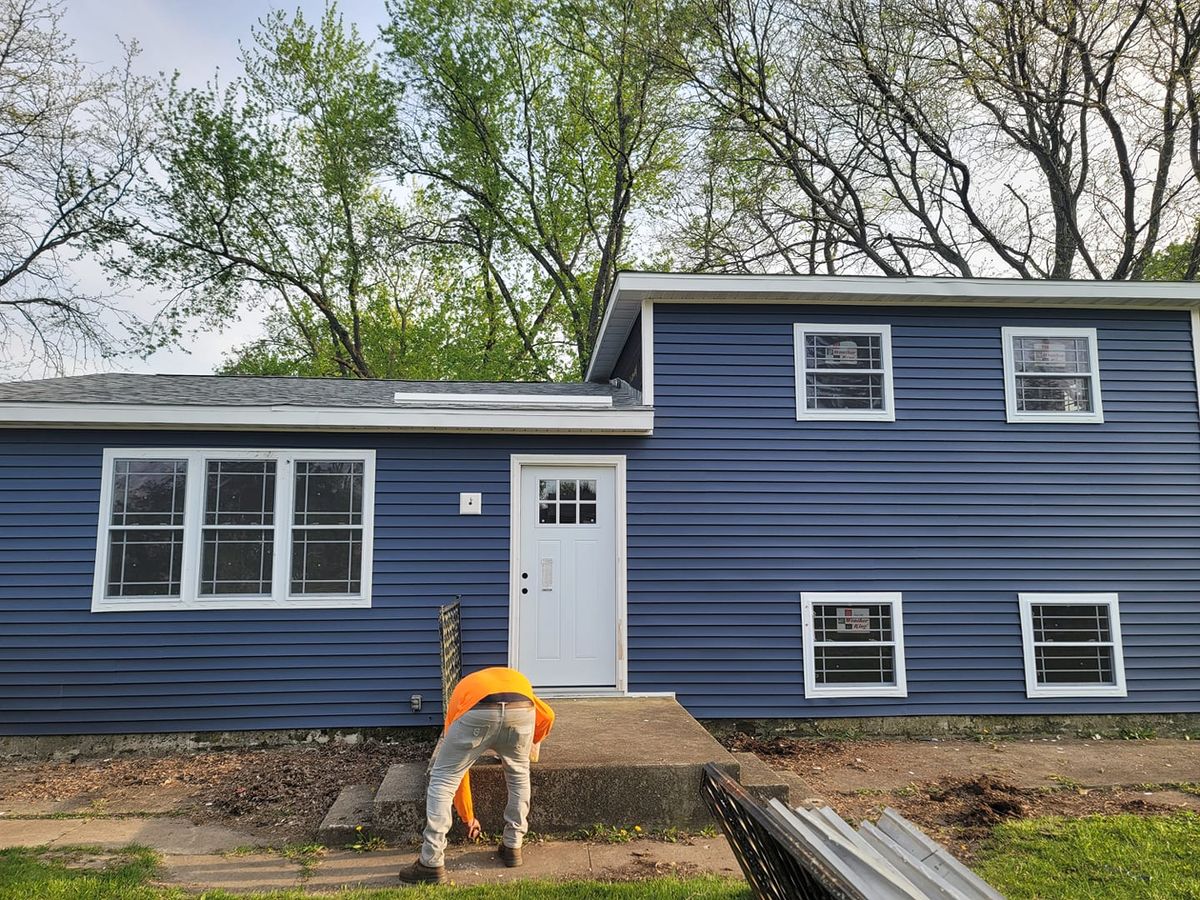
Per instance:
x=278, y=191
x=1179, y=261
x=544, y=134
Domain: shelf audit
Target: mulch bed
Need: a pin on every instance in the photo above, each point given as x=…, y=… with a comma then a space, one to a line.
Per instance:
x=285, y=790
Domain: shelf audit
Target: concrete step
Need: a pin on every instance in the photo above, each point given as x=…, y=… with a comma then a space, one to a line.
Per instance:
x=354, y=807
x=761, y=781
x=620, y=761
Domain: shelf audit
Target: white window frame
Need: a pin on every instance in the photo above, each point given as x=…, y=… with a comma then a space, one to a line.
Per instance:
x=895, y=599
x=1032, y=688
x=803, y=414
x=1015, y=415
x=193, y=516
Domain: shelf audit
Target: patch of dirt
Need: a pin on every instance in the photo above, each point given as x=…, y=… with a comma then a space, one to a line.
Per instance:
x=283, y=791
x=961, y=813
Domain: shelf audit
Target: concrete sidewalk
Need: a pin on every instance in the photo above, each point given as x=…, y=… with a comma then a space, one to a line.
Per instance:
x=213, y=857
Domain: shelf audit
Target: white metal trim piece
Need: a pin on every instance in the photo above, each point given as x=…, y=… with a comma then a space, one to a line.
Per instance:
x=309, y=418
x=618, y=464
x=842, y=598
x=557, y=400
x=1095, y=416
x=647, y=353
x=189, y=598
x=1034, y=690
x=804, y=414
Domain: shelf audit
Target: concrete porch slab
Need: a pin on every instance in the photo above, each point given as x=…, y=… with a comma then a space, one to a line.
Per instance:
x=609, y=761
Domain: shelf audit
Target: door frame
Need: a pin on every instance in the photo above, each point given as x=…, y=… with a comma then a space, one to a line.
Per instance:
x=616, y=462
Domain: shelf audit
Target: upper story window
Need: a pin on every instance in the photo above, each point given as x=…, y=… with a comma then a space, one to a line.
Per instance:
x=844, y=372
x=190, y=529
x=1072, y=645
x=1051, y=375
x=853, y=645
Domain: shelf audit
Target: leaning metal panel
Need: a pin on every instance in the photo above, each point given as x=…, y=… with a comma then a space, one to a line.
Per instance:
x=777, y=865
x=450, y=623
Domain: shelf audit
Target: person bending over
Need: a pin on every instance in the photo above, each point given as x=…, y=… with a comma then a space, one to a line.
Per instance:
x=492, y=709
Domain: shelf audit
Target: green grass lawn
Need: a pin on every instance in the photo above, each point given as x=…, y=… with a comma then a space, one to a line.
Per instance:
x=1098, y=858
x=50, y=875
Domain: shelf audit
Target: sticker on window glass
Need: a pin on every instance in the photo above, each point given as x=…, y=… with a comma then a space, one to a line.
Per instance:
x=853, y=619
x=547, y=574
x=843, y=353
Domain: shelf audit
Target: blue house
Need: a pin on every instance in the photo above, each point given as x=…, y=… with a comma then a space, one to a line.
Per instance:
x=772, y=497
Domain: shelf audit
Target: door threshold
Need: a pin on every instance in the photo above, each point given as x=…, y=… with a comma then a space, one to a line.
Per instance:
x=563, y=693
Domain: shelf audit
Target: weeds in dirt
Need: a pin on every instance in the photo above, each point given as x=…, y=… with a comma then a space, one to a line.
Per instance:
x=609, y=834
x=366, y=843
x=1067, y=784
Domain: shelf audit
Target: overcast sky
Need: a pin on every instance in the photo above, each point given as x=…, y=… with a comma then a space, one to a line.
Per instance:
x=195, y=38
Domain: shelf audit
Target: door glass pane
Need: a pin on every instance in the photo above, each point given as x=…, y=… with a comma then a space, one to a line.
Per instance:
x=567, y=489
x=587, y=489
x=587, y=513
x=566, y=513
x=548, y=489
x=546, y=513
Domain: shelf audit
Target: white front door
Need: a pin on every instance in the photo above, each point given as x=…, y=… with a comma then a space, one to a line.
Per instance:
x=566, y=577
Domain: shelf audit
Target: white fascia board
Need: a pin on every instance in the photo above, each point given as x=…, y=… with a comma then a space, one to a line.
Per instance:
x=417, y=398
x=308, y=418
x=632, y=288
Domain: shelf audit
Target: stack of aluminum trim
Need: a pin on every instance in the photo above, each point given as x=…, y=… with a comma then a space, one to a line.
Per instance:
x=890, y=860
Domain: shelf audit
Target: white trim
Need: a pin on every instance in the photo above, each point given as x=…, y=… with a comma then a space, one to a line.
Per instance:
x=428, y=398
x=631, y=289
x=294, y=418
x=618, y=464
x=190, y=599
x=647, y=362
x=803, y=413
x=1091, y=417
x=1032, y=688
x=843, y=598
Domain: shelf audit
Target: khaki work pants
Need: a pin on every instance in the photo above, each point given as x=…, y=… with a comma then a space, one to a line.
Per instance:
x=507, y=731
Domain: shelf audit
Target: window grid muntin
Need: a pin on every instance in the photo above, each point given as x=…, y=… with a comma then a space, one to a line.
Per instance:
x=189, y=597
x=219, y=536
x=567, y=501
x=307, y=536
x=878, y=622
x=1044, y=646
x=833, y=390
x=1052, y=374
x=123, y=543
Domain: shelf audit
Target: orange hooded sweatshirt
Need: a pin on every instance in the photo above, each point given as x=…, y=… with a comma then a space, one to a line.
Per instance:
x=473, y=688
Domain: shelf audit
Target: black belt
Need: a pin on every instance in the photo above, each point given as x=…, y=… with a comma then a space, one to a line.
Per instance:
x=495, y=701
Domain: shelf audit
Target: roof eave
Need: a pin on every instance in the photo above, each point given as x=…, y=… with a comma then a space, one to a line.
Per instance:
x=631, y=289
x=632, y=421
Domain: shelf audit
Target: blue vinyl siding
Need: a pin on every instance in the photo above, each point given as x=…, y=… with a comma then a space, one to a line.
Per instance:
x=64, y=669
x=734, y=508
x=949, y=504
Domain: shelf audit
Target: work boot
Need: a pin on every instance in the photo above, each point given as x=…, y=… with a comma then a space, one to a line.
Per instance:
x=511, y=856
x=419, y=873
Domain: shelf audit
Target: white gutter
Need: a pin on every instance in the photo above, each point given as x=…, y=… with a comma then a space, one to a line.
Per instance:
x=308, y=418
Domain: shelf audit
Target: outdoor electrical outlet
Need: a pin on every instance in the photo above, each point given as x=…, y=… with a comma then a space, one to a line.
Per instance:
x=415, y=702
x=470, y=504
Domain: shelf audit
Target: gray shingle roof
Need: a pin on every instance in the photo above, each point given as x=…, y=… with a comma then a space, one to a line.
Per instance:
x=240, y=390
